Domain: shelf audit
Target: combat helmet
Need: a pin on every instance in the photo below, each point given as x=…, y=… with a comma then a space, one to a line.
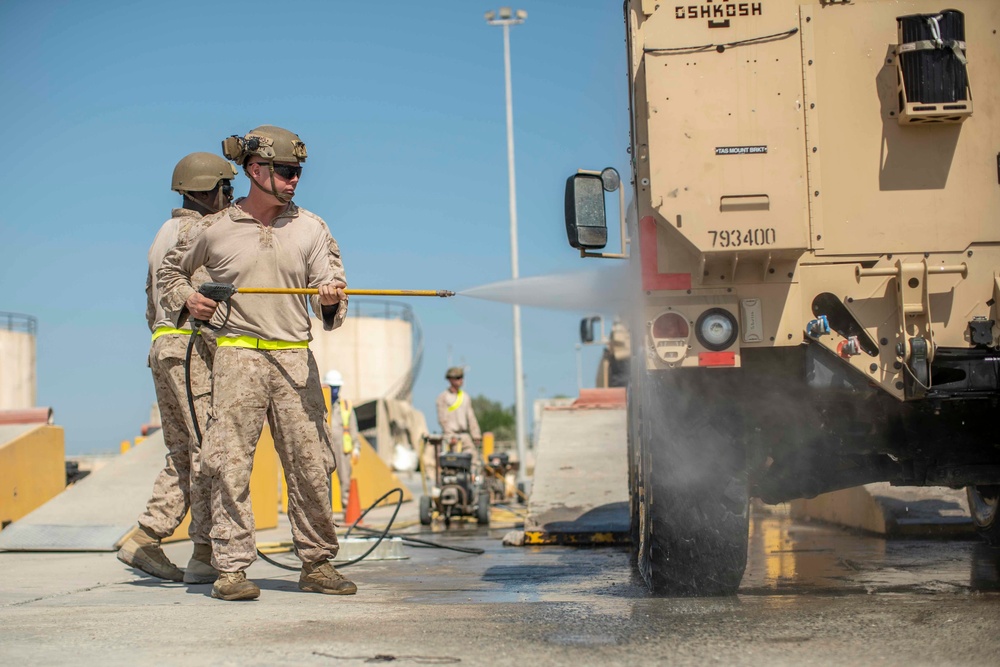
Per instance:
x=203, y=172
x=273, y=144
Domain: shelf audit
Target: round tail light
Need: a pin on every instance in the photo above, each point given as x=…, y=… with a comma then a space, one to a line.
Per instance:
x=670, y=325
x=716, y=329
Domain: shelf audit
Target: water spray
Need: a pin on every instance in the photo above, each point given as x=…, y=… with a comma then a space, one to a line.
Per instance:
x=605, y=290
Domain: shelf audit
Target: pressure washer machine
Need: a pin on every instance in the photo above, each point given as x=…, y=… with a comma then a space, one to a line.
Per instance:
x=496, y=470
x=458, y=489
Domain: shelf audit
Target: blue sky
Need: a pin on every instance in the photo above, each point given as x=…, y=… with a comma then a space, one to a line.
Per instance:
x=402, y=108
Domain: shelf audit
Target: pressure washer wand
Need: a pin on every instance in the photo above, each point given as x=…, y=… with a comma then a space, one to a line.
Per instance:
x=349, y=292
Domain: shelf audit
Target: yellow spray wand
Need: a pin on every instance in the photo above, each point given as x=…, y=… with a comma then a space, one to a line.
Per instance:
x=349, y=292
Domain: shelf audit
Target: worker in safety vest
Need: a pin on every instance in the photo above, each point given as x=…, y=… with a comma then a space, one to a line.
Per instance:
x=345, y=438
x=457, y=418
x=204, y=181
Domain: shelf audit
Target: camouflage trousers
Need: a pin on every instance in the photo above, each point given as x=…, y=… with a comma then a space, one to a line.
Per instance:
x=181, y=484
x=283, y=386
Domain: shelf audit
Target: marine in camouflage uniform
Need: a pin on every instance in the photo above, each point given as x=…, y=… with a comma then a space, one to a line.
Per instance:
x=263, y=367
x=457, y=418
x=203, y=179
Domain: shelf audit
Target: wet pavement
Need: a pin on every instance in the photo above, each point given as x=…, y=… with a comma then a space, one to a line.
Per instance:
x=812, y=595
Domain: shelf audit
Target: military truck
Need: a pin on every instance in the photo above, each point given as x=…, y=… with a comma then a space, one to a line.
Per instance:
x=815, y=262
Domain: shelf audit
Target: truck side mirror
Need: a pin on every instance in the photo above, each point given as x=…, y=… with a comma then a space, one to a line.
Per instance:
x=586, y=225
x=587, y=325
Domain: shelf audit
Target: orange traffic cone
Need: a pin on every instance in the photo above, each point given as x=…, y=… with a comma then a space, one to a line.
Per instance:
x=353, y=512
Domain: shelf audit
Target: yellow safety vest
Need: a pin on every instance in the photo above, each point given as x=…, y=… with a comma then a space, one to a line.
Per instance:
x=345, y=415
x=458, y=401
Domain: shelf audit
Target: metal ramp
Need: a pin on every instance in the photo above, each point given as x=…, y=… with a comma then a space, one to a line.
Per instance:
x=97, y=512
x=580, y=488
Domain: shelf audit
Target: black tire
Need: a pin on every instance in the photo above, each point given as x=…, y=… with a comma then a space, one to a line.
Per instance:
x=692, y=489
x=425, y=510
x=483, y=510
x=984, y=506
x=634, y=481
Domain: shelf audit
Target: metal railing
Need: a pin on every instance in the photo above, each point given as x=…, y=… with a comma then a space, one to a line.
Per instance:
x=386, y=310
x=19, y=322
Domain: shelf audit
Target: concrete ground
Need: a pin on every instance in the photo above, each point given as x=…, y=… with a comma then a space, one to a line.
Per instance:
x=812, y=595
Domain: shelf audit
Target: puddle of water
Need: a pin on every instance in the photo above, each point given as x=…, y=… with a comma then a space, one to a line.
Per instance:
x=787, y=558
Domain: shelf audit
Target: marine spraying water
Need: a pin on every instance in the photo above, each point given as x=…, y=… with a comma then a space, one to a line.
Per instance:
x=600, y=290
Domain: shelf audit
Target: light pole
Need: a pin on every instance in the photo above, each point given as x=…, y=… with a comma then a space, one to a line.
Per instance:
x=579, y=369
x=506, y=18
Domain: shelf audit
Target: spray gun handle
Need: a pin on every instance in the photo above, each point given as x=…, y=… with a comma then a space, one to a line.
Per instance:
x=217, y=292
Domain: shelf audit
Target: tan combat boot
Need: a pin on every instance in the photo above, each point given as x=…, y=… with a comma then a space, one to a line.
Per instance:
x=199, y=569
x=322, y=577
x=142, y=551
x=234, y=586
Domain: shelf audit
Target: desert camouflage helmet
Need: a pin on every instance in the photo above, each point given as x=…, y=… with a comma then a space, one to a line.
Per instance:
x=271, y=143
x=201, y=172
x=455, y=372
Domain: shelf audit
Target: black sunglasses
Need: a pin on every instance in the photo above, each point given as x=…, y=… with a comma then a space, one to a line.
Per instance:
x=227, y=189
x=287, y=171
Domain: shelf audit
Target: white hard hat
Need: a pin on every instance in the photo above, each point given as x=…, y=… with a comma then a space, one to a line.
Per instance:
x=333, y=378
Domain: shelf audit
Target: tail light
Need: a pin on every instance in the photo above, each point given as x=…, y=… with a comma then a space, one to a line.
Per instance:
x=716, y=329
x=670, y=333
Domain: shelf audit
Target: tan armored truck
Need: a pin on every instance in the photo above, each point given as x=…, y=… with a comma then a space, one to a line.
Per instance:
x=816, y=262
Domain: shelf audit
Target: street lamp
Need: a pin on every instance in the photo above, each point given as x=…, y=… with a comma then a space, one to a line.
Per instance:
x=579, y=369
x=506, y=18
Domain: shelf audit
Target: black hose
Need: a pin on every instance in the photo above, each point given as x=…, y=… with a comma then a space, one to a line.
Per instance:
x=195, y=331
x=385, y=532
x=187, y=383
x=427, y=543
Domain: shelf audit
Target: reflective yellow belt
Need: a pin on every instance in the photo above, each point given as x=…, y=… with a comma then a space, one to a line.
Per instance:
x=458, y=401
x=260, y=344
x=163, y=331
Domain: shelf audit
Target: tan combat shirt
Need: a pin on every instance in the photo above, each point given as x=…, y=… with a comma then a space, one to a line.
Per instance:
x=296, y=250
x=460, y=420
x=166, y=239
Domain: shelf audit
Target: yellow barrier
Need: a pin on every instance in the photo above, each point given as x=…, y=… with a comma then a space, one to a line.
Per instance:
x=263, y=488
x=487, y=445
x=374, y=478
x=32, y=471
